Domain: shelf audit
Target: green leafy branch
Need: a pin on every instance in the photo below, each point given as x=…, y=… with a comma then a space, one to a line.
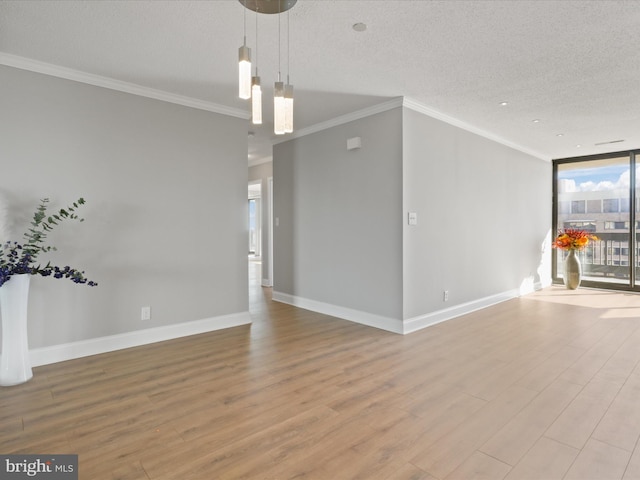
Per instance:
x=36, y=235
x=18, y=259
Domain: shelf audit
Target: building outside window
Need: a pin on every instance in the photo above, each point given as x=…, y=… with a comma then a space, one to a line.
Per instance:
x=578, y=206
x=611, y=205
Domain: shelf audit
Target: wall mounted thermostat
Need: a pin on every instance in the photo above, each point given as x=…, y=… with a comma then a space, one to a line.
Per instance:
x=354, y=143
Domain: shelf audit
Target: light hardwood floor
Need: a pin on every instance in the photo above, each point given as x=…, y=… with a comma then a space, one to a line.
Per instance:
x=545, y=387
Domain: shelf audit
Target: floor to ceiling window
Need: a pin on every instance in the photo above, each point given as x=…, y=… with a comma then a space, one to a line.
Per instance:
x=595, y=194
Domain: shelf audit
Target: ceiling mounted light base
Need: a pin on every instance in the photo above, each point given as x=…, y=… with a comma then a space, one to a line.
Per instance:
x=268, y=6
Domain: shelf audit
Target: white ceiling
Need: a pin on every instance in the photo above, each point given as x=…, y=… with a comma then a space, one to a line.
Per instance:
x=573, y=65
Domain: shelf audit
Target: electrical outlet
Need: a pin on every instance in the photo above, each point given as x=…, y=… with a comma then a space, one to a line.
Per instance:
x=445, y=296
x=145, y=314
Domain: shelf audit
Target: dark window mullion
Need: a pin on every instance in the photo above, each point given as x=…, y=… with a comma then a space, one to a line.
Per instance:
x=554, y=222
x=632, y=220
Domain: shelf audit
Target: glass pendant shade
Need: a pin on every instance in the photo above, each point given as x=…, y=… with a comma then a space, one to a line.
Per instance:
x=244, y=72
x=278, y=109
x=288, y=108
x=256, y=101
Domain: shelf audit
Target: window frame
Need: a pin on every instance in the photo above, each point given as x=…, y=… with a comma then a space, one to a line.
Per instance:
x=633, y=225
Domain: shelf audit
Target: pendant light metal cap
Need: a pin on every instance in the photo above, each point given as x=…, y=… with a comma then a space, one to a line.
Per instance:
x=288, y=91
x=244, y=54
x=279, y=89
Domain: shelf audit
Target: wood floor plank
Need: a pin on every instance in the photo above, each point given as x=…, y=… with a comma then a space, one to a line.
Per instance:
x=590, y=364
x=620, y=425
x=577, y=422
x=480, y=467
x=632, y=471
x=356, y=466
x=497, y=380
x=38, y=441
x=626, y=358
x=450, y=451
x=515, y=439
x=599, y=461
x=547, y=459
x=409, y=471
x=122, y=471
x=545, y=373
x=441, y=416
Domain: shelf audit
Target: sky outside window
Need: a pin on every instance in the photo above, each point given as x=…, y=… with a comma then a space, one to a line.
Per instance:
x=595, y=179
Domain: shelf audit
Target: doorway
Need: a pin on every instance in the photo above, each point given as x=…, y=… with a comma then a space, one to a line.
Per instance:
x=255, y=219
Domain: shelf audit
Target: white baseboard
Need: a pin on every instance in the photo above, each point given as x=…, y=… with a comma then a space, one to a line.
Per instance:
x=266, y=282
x=385, y=323
x=94, y=346
x=422, y=321
x=398, y=326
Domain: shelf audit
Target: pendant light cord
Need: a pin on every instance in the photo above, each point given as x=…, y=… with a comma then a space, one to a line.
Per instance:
x=244, y=21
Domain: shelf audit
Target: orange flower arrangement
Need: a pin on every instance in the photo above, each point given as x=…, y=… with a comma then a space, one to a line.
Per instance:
x=573, y=239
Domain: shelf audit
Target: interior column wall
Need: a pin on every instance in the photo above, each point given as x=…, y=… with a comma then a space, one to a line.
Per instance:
x=338, y=236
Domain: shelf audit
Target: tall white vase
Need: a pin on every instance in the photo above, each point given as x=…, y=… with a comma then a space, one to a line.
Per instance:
x=15, y=366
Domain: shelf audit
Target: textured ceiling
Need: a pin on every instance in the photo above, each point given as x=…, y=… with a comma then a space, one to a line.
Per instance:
x=572, y=65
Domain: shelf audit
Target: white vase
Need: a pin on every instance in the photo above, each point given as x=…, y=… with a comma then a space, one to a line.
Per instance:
x=15, y=366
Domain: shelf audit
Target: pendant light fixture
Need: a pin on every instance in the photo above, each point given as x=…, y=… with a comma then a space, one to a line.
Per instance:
x=244, y=65
x=288, y=107
x=256, y=101
x=283, y=94
x=278, y=108
x=256, y=90
x=288, y=91
x=278, y=97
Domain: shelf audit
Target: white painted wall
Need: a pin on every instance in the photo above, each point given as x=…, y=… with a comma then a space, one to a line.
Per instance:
x=166, y=192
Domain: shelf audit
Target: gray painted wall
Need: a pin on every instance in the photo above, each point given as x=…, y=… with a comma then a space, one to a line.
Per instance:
x=484, y=213
x=484, y=219
x=339, y=238
x=166, y=191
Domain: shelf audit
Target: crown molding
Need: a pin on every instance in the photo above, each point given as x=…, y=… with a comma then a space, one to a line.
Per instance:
x=420, y=108
x=341, y=120
x=260, y=161
x=37, y=66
